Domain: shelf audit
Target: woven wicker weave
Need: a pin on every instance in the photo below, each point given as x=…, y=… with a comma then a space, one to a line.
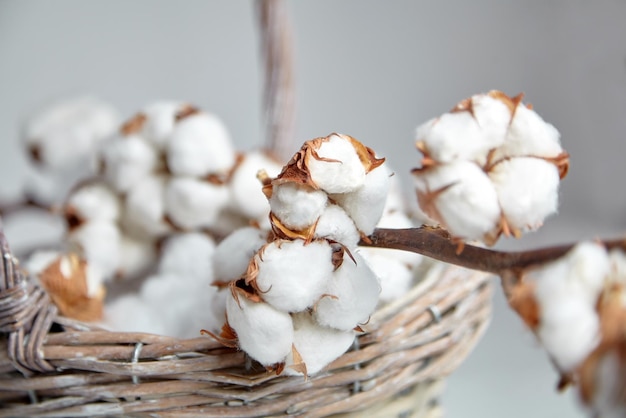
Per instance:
x=53, y=366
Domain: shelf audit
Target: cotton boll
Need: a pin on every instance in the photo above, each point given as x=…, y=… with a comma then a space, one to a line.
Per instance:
x=527, y=190
x=188, y=255
x=127, y=161
x=246, y=192
x=354, y=290
x=337, y=168
x=293, y=275
x=200, y=145
x=493, y=117
x=68, y=132
x=93, y=201
x=129, y=313
x=365, y=205
x=461, y=197
x=335, y=224
x=136, y=256
x=233, y=254
x=263, y=332
x=453, y=136
x=160, y=120
x=580, y=274
x=144, y=212
x=297, y=206
x=530, y=135
x=99, y=242
x=569, y=331
x=395, y=199
x=395, y=276
x=318, y=346
x=192, y=203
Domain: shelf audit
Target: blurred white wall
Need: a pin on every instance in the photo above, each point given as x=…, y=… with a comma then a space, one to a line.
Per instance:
x=371, y=69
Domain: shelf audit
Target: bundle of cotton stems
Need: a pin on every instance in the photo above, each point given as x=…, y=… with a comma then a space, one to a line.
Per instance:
x=491, y=166
x=297, y=295
x=62, y=140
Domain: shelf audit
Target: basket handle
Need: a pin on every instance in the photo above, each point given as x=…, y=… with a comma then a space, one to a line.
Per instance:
x=26, y=314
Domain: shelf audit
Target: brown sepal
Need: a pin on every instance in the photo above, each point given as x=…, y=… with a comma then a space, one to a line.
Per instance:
x=562, y=163
x=228, y=336
x=298, y=363
x=283, y=232
x=133, y=125
x=366, y=154
x=523, y=301
x=465, y=105
x=186, y=111
x=72, y=219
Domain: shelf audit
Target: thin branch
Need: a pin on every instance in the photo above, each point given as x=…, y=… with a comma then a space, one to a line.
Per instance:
x=279, y=96
x=24, y=204
x=435, y=243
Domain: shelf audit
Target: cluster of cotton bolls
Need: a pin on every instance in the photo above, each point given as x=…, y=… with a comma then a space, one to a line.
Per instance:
x=576, y=306
x=491, y=166
x=299, y=293
x=177, y=300
x=170, y=169
x=62, y=140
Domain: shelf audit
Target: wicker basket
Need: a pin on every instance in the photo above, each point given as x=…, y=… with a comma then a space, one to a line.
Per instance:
x=53, y=366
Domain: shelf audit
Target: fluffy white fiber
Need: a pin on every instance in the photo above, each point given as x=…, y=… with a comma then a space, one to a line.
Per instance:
x=234, y=253
x=127, y=161
x=297, y=206
x=192, y=203
x=338, y=168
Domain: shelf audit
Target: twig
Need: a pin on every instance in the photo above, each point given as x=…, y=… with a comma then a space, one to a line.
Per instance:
x=436, y=244
x=279, y=97
x=25, y=203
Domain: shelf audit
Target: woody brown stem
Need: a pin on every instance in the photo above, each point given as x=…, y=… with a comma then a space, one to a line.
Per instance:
x=436, y=244
x=25, y=203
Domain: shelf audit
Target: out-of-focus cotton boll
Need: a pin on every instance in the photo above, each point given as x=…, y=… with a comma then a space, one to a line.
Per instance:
x=99, y=242
x=233, y=254
x=136, y=256
x=336, y=168
x=461, y=197
x=93, y=201
x=353, y=295
x=264, y=332
x=246, y=192
x=293, y=275
x=127, y=160
x=200, y=145
x=318, y=346
x=527, y=190
x=335, y=224
x=129, y=313
x=68, y=132
x=189, y=255
x=192, y=203
x=395, y=276
x=160, y=118
x=297, y=206
x=144, y=211
x=365, y=205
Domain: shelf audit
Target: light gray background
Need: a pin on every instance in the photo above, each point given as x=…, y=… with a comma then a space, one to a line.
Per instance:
x=370, y=69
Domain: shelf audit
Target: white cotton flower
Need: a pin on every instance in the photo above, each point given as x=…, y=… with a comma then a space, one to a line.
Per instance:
x=297, y=206
x=193, y=203
x=527, y=190
x=453, y=136
x=264, y=332
x=318, y=346
x=68, y=132
x=144, y=211
x=461, y=197
x=529, y=135
x=189, y=255
x=293, y=275
x=246, y=195
x=160, y=120
x=127, y=160
x=129, y=313
x=365, y=205
x=94, y=201
x=395, y=276
x=337, y=167
x=335, y=224
x=569, y=331
x=493, y=117
x=136, y=256
x=200, y=145
x=395, y=201
x=233, y=254
x=353, y=292
x=99, y=242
